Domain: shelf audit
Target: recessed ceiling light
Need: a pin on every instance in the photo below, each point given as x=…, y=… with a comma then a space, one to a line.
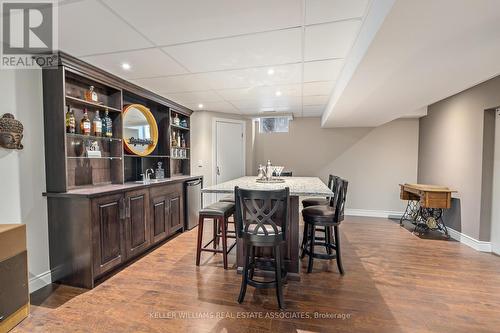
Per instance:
x=200, y=106
x=270, y=71
x=125, y=66
x=278, y=93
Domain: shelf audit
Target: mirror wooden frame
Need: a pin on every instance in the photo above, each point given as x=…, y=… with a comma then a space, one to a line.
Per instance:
x=152, y=125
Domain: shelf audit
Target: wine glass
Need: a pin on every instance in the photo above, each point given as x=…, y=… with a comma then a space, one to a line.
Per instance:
x=274, y=170
x=279, y=170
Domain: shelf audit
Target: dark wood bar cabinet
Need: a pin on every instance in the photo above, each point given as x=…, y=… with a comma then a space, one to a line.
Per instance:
x=101, y=213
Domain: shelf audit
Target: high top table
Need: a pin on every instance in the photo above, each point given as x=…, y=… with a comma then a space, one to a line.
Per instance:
x=299, y=187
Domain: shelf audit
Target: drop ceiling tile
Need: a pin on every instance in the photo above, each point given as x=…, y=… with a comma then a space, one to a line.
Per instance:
x=331, y=40
x=259, y=111
x=214, y=106
x=144, y=63
x=253, y=77
x=262, y=49
x=102, y=32
x=315, y=100
x=318, y=88
x=320, y=11
x=323, y=70
x=173, y=84
x=276, y=103
x=173, y=21
x=252, y=112
x=260, y=92
x=195, y=97
x=313, y=110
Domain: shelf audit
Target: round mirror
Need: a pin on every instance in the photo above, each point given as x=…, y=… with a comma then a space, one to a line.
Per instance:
x=140, y=132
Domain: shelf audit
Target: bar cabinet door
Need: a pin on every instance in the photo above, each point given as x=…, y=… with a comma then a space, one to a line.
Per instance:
x=108, y=234
x=137, y=233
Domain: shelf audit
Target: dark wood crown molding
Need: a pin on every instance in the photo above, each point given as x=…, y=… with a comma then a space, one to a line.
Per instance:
x=80, y=66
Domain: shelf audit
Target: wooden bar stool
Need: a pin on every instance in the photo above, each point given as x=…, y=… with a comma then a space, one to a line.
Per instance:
x=332, y=182
x=230, y=233
x=219, y=212
x=329, y=217
x=261, y=218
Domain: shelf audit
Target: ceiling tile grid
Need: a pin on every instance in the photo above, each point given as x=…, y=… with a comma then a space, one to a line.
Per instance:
x=233, y=56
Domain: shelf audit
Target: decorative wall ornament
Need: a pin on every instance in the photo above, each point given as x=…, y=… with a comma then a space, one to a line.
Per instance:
x=11, y=132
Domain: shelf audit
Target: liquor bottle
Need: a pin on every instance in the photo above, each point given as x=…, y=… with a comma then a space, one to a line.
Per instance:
x=178, y=139
x=108, y=132
x=104, y=125
x=85, y=123
x=70, y=121
x=183, y=142
x=97, y=125
x=174, y=139
x=91, y=95
x=160, y=172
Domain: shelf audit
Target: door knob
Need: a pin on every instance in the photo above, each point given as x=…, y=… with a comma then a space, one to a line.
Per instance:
x=218, y=171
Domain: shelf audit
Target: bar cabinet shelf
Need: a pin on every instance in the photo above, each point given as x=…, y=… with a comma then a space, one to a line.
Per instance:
x=75, y=100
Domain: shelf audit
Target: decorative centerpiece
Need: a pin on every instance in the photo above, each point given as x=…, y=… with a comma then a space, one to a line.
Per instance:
x=267, y=173
x=11, y=132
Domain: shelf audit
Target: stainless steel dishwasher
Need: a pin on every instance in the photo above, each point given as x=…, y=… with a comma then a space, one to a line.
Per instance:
x=194, y=202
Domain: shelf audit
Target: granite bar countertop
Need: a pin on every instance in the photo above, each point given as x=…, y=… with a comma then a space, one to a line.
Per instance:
x=96, y=191
x=299, y=186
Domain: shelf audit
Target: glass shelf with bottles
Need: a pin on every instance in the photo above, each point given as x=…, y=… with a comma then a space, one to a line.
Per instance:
x=83, y=92
x=90, y=136
x=178, y=147
x=97, y=127
x=179, y=121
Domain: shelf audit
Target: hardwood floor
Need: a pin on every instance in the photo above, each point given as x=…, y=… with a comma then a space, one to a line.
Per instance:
x=394, y=282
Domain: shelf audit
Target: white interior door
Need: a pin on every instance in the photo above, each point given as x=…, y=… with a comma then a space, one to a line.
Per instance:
x=229, y=151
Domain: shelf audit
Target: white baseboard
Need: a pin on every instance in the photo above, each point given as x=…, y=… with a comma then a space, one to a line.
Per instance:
x=462, y=238
x=40, y=281
x=469, y=241
x=374, y=213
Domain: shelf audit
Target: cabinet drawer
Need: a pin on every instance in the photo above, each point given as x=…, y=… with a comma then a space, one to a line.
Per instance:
x=166, y=189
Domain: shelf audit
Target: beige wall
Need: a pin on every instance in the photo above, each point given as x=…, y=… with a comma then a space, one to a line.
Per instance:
x=22, y=172
x=374, y=160
x=455, y=150
x=201, y=143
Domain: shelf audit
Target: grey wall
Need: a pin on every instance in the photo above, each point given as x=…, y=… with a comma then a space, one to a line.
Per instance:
x=455, y=149
x=374, y=160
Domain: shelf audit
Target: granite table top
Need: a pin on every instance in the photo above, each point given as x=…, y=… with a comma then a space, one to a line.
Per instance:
x=299, y=186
